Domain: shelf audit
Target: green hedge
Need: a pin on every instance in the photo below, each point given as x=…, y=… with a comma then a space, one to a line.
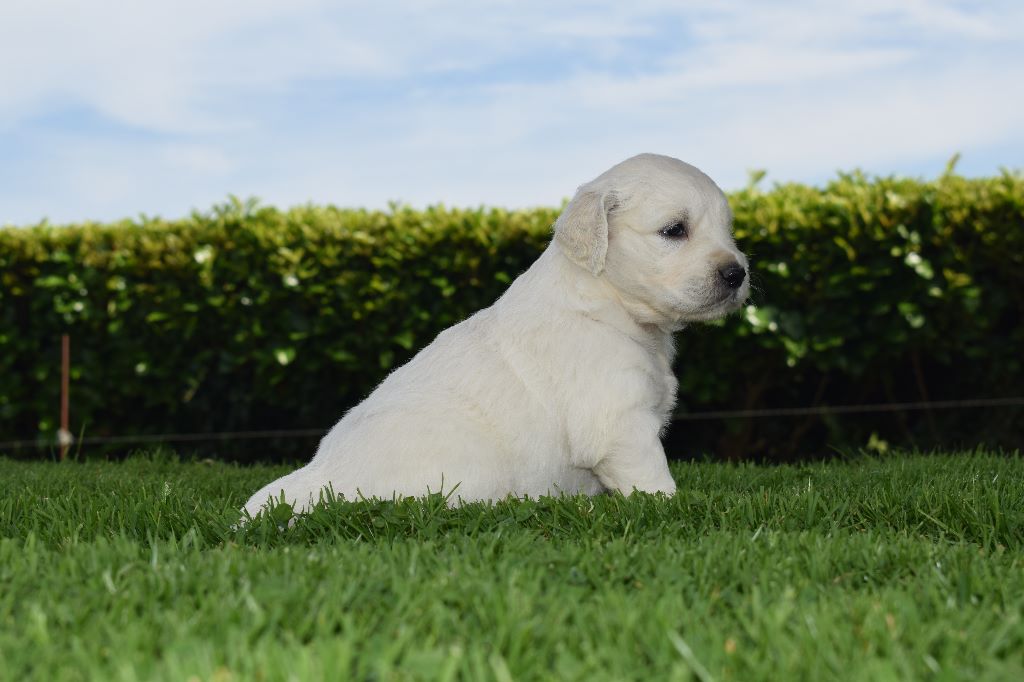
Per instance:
x=247, y=317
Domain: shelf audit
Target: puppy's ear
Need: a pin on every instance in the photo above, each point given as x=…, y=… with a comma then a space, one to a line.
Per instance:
x=582, y=229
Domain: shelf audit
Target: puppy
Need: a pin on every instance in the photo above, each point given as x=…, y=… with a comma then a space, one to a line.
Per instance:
x=564, y=384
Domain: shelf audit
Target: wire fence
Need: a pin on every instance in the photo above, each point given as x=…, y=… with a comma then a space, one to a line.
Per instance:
x=810, y=410
x=208, y=436
x=853, y=409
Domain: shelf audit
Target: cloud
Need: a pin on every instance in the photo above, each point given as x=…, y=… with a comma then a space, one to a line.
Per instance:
x=124, y=107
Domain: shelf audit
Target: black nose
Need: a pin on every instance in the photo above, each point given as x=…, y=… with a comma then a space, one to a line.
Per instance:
x=733, y=274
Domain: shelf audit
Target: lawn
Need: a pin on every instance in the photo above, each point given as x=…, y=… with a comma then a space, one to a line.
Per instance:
x=904, y=567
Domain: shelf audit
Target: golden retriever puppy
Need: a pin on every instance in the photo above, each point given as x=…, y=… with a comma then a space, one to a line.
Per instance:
x=563, y=384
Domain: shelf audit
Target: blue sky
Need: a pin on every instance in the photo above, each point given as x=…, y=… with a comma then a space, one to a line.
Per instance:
x=114, y=108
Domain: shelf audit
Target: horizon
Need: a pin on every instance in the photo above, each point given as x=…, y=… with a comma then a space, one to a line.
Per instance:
x=757, y=178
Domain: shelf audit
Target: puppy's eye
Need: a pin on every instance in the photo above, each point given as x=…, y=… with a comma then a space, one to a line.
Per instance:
x=675, y=231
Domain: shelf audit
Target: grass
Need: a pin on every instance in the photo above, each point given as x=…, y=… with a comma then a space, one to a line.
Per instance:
x=905, y=567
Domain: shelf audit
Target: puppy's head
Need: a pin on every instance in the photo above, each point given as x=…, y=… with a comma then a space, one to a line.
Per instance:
x=660, y=232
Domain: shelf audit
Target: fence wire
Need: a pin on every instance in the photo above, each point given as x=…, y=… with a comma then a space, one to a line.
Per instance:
x=810, y=410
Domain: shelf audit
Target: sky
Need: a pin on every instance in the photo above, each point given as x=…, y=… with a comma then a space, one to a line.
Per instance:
x=116, y=108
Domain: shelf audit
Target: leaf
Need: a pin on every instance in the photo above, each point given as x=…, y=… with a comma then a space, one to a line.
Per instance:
x=284, y=356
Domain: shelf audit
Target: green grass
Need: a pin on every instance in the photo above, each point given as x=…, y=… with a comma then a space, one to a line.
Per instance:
x=907, y=567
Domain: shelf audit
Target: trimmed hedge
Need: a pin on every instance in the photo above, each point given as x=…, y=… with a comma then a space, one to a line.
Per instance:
x=247, y=317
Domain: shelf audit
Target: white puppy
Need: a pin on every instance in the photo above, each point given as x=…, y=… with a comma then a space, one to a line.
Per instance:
x=564, y=384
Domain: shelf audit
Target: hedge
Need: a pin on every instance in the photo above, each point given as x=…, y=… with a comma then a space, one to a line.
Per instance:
x=246, y=317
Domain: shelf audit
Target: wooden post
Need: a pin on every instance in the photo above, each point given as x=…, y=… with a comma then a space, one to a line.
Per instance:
x=64, y=435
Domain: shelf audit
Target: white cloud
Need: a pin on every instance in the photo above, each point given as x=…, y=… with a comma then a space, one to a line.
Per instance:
x=173, y=105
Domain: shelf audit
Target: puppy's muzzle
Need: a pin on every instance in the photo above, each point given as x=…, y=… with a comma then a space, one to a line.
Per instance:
x=733, y=275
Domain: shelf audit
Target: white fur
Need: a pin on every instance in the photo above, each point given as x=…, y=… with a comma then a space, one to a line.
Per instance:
x=564, y=384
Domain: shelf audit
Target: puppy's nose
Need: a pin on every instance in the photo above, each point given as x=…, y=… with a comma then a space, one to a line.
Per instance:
x=733, y=274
